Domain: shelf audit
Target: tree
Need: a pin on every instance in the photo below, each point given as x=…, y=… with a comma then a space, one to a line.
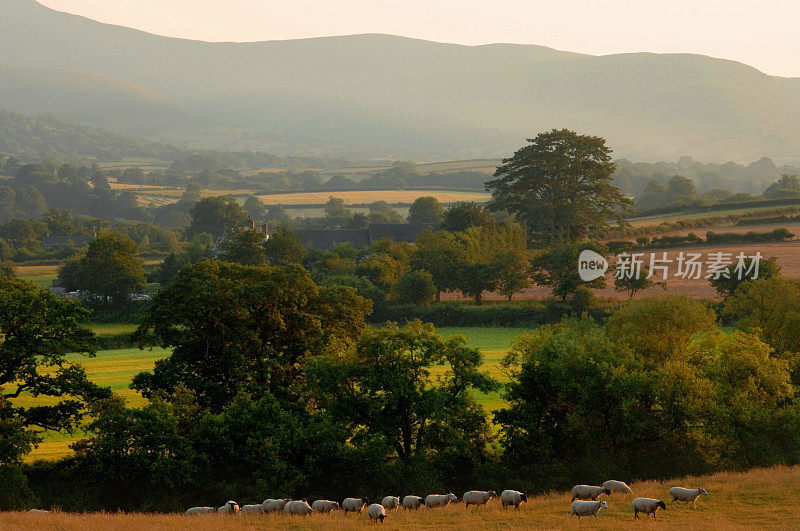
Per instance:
x=254, y=207
x=416, y=287
x=726, y=286
x=439, y=253
x=216, y=215
x=559, y=187
x=244, y=247
x=557, y=268
x=284, y=247
x=787, y=187
x=464, y=214
x=425, y=209
x=636, y=282
x=382, y=212
x=277, y=213
x=681, y=190
x=110, y=269
x=37, y=332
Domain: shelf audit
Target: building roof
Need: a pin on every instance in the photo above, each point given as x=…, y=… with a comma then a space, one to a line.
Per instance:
x=325, y=239
x=399, y=232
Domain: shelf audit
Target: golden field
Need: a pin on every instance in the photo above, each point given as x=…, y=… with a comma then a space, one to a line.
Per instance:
x=358, y=197
x=757, y=499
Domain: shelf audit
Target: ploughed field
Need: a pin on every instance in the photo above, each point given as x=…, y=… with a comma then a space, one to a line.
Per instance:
x=756, y=499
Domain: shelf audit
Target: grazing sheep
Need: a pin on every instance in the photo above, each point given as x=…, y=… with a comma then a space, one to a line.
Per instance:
x=252, y=509
x=376, y=512
x=391, y=502
x=274, y=506
x=325, y=506
x=230, y=507
x=617, y=486
x=412, y=502
x=299, y=507
x=512, y=497
x=586, y=508
x=200, y=510
x=439, y=500
x=647, y=506
x=478, y=497
x=686, y=495
x=588, y=492
x=39, y=511
x=354, y=505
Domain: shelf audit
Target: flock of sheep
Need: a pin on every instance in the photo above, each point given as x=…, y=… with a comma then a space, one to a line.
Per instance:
x=584, y=502
x=584, y=499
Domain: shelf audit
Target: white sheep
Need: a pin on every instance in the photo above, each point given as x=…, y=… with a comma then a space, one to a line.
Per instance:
x=230, y=507
x=324, y=506
x=617, y=486
x=478, y=497
x=376, y=512
x=686, y=495
x=192, y=511
x=354, y=505
x=647, y=506
x=298, y=507
x=252, y=509
x=390, y=502
x=39, y=511
x=439, y=500
x=273, y=505
x=586, y=508
x=512, y=497
x=412, y=502
x=588, y=492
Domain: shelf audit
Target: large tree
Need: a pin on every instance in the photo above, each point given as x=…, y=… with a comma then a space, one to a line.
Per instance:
x=559, y=186
x=215, y=215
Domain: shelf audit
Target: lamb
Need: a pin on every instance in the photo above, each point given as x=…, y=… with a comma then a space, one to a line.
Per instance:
x=617, y=486
x=588, y=492
x=439, y=500
x=230, y=507
x=299, y=507
x=686, y=495
x=273, y=506
x=586, y=508
x=324, y=506
x=390, y=502
x=512, y=497
x=478, y=497
x=412, y=502
x=252, y=509
x=354, y=505
x=376, y=512
x=647, y=506
x=200, y=510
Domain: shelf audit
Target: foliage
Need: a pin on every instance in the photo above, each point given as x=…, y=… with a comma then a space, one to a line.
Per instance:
x=557, y=268
x=426, y=209
x=416, y=287
x=465, y=214
x=730, y=279
x=216, y=215
x=244, y=246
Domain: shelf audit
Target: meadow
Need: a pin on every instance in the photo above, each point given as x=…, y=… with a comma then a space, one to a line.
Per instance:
x=756, y=499
x=358, y=197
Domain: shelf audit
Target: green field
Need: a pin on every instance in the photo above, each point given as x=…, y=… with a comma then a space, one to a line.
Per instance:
x=676, y=216
x=116, y=369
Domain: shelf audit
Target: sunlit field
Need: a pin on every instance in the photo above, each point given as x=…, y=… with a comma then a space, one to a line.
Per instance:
x=370, y=196
x=42, y=276
x=759, y=498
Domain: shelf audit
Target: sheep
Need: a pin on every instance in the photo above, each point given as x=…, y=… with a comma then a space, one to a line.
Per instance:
x=512, y=497
x=391, y=502
x=412, y=502
x=273, y=506
x=439, y=500
x=39, y=511
x=376, y=512
x=586, y=508
x=354, y=505
x=252, y=509
x=686, y=495
x=192, y=511
x=617, y=486
x=299, y=507
x=647, y=506
x=478, y=497
x=588, y=492
x=230, y=507
x=324, y=506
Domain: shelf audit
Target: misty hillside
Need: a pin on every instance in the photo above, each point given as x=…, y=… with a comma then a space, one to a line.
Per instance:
x=403, y=94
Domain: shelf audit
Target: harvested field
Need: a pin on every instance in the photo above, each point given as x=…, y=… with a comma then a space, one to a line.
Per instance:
x=370, y=196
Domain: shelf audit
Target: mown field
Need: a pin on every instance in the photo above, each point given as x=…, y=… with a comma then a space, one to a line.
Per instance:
x=116, y=369
x=757, y=499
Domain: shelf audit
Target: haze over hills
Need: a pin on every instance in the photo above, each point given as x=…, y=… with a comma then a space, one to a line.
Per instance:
x=399, y=95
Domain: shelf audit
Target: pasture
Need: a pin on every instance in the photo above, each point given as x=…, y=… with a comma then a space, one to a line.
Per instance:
x=358, y=197
x=42, y=276
x=756, y=499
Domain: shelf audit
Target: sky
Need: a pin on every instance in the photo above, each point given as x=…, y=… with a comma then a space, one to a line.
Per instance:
x=761, y=33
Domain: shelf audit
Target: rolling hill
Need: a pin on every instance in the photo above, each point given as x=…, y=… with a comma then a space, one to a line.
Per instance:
x=440, y=100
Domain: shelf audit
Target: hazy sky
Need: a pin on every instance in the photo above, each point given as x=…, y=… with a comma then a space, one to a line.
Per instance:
x=762, y=33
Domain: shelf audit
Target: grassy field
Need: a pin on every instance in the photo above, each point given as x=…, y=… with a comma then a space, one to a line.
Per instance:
x=676, y=216
x=757, y=499
x=370, y=196
x=42, y=276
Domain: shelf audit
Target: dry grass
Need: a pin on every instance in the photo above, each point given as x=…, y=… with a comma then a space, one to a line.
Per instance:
x=370, y=196
x=758, y=499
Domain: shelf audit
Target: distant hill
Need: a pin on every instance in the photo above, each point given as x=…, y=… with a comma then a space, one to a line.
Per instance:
x=440, y=100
